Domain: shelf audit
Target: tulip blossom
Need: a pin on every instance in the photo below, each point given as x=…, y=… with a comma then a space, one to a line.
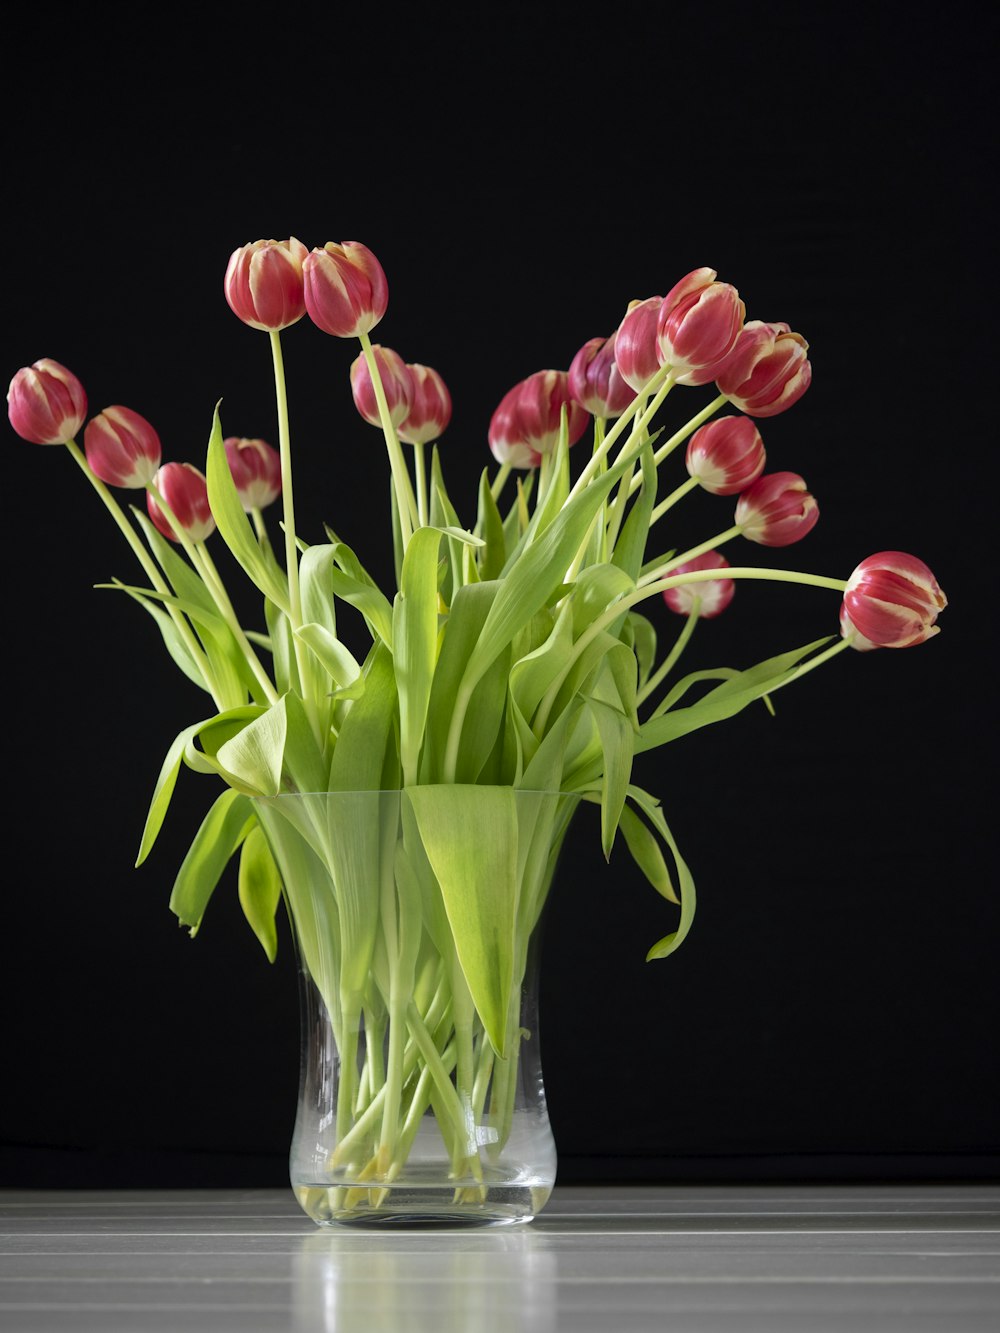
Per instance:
x=596, y=382
x=185, y=492
x=346, y=292
x=636, y=352
x=397, y=384
x=712, y=596
x=697, y=326
x=256, y=469
x=46, y=403
x=507, y=440
x=122, y=448
x=263, y=283
x=892, y=600
x=726, y=455
x=767, y=371
x=776, y=510
x=540, y=400
x=430, y=406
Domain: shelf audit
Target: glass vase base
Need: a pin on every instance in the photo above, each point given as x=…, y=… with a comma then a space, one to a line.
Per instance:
x=423, y=1205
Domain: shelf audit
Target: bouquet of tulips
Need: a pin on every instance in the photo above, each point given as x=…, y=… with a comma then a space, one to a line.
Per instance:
x=514, y=652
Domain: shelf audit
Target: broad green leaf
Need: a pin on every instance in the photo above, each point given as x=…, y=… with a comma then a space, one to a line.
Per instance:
x=339, y=662
x=539, y=570
x=644, y=643
x=596, y=589
x=316, y=587
x=631, y=544
x=259, y=888
x=302, y=759
x=361, y=746
x=618, y=746
x=725, y=700
x=221, y=832
x=284, y=668
x=233, y=524
x=485, y=713
x=164, y=789
x=490, y=526
x=251, y=761
x=172, y=639
x=414, y=642
x=186, y=582
x=645, y=852
x=477, y=874
x=671, y=942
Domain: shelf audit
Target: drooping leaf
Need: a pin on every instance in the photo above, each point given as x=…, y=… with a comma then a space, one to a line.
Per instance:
x=259, y=888
x=251, y=761
x=220, y=834
x=414, y=642
x=645, y=852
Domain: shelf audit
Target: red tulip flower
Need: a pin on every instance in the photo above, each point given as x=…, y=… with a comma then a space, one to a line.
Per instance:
x=346, y=292
x=185, y=492
x=697, y=326
x=122, y=448
x=596, y=382
x=713, y=596
x=892, y=600
x=776, y=510
x=46, y=403
x=430, y=406
x=256, y=469
x=767, y=371
x=397, y=384
x=263, y=283
x=726, y=455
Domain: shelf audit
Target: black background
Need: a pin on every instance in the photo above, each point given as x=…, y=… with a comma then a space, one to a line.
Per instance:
x=833, y=1013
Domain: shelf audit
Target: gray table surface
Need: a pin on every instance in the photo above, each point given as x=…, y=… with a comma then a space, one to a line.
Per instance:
x=615, y=1260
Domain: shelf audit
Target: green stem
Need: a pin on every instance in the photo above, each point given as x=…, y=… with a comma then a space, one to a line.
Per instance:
x=211, y=578
x=670, y=445
x=662, y=382
x=420, y=481
x=670, y=661
x=405, y=499
x=149, y=566
x=500, y=480
x=672, y=499
x=287, y=497
x=691, y=554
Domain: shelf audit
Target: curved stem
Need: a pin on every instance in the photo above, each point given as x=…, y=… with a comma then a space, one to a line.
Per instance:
x=213, y=581
x=680, y=436
x=670, y=661
x=500, y=480
x=672, y=499
x=149, y=566
x=405, y=499
x=662, y=383
x=691, y=554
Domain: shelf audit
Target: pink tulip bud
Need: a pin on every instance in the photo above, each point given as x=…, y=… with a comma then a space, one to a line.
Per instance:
x=507, y=440
x=185, y=491
x=122, y=448
x=776, y=510
x=767, y=371
x=540, y=401
x=346, y=292
x=726, y=455
x=636, y=352
x=396, y=383
x=46, y=403
x=697, y=326
x=263, y=283
x=595, y=380
x=891, y=601
x=713, y=596
x=256, y=469
x=430, y=406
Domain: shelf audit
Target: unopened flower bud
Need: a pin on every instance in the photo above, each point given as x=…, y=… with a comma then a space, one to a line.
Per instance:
x=726, y=455
x=46, y=403
x=507, y=439
x=712, y=596
x=263, y=283
x=892, y=600
x=767, y=371
x=256, y=469
x=776, y=510
x=346, y=292
x=122, y=448
x=185, y=492
x=636, y=352
x=595, y=380
x=541, y=398
x=397, y=385
x=430, y=406
x=697, y=326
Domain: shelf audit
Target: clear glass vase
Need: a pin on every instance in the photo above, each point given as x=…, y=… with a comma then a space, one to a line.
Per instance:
x=416, y=916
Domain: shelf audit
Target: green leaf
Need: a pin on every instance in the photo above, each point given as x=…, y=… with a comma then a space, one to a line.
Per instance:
x=490, y=525
x=414, y=642
x=361, y=746
x=617, y=745
x=671, y=942
x=477, y=874
x=259, y=888
x=233, y=524
x=727, y=699
x=645, y=852
x=221, y=832
x=632, y=539
x=251, y=761
x=339, y=662
x=164, y=789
